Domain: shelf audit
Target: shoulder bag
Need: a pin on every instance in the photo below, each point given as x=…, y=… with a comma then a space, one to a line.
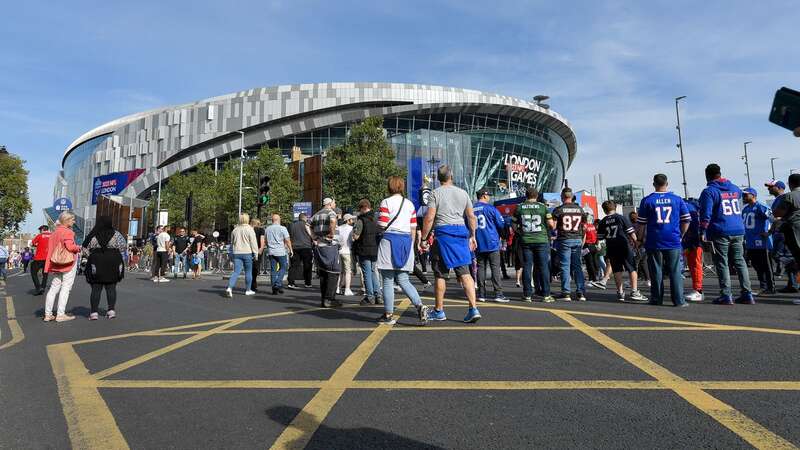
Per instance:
x=61, y=256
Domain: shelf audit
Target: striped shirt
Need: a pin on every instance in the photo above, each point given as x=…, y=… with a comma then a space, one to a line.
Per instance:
x=406, y=219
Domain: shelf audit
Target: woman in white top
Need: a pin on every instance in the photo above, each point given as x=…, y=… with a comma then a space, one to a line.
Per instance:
x=398, y=220
x=345, y=238
x=244, y=247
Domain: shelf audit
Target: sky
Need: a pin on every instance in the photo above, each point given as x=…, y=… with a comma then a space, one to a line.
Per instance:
x=612, y=68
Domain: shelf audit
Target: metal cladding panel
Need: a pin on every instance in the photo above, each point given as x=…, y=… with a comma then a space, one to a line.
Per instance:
x=268, y=112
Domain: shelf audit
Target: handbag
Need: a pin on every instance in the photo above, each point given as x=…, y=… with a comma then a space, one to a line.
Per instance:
x=61, y=256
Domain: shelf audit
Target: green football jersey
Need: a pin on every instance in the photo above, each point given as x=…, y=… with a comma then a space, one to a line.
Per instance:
x=531, y=220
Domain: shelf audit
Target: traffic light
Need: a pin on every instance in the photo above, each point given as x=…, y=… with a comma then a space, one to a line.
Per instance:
x=263, y=191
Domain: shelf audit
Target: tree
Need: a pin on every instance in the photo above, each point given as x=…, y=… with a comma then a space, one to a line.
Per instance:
x=284, y=189
x=216, y=197
x=14, y=201
x=201, y=185
x=359, y=168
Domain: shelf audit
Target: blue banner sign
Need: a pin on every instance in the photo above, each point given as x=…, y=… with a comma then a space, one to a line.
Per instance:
x=62, y=204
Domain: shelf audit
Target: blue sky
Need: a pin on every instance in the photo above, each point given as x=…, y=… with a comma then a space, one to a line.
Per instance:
x=612, y=68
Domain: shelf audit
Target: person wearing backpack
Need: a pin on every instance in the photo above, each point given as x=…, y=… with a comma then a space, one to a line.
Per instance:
x=365, y=247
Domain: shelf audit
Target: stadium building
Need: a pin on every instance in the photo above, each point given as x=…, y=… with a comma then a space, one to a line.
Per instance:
x=489, y=140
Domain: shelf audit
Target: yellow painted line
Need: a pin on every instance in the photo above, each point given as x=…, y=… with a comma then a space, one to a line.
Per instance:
x=749, y=385
x=168, y=330
x=90, y=423
x=749, y=430
x=162, y=351
x=210, y=384
x=503, y=385
x=440, y=328
x=720, y=326
x=299, y=432
x=16, y=330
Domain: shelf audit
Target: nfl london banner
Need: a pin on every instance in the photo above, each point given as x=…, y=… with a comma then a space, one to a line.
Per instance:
x=113, y=183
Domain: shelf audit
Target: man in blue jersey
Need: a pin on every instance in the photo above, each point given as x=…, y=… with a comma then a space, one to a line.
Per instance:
x=758, y=241
x=490, y=226
x=663, y=219
x=721, y=224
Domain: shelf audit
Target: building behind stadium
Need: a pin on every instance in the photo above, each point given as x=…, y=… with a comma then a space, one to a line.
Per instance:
x=489, y=140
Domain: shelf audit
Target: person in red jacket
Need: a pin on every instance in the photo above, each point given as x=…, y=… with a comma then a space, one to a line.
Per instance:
x=39, y=257
x=590, y=251
x=63, y=274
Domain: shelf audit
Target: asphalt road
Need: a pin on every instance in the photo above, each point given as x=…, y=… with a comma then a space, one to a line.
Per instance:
x=183, y=367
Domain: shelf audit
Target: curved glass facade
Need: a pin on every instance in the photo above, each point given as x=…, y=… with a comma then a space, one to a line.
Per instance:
x=502, y=153
x=79, y=169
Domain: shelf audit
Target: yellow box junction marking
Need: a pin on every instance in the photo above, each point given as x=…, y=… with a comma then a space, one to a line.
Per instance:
x=92, y=425
x=305, y=424
x=16, y=331
x=743, y=426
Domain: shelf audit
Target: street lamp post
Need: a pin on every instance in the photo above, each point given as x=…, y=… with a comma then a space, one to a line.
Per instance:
x=747, y=163
x=241, y=171
x=772, y=165
x=680, y=145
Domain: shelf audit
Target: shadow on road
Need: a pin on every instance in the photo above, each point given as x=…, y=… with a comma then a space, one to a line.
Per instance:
x=327, y=437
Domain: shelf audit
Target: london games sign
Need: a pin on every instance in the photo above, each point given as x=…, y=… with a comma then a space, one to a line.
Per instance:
x=523, y=169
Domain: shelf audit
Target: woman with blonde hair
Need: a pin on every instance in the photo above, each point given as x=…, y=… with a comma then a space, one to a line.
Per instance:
x=244, y=247
x=398, y=220
x=62, y=267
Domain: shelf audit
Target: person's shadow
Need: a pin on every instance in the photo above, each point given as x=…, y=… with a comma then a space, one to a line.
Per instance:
x=325, y=437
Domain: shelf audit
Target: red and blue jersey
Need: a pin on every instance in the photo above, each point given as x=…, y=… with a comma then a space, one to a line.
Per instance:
x=662, y=213
x=757, y=218
x=721, y=209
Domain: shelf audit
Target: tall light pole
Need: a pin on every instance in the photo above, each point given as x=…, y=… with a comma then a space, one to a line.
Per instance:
x=747, y=163
x=772, y=164
x=680, y=145
x=241, y=171
x=158, y=170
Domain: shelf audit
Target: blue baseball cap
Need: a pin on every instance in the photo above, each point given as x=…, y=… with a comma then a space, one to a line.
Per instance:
x=776, y=183
x=750, y=191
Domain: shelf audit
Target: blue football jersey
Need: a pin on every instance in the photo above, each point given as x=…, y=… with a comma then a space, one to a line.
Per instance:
x=662, y=213
x=490, y=226
x=757, y=218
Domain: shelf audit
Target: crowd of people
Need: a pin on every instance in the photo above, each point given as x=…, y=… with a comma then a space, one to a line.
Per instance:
x=666, y=238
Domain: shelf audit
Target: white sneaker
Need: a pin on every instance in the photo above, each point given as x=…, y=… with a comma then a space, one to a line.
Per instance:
x=694, y=297
x=229, y=293
x=348, y=293
x=249, y=292
x=338, y=291
x=796, y=302
x=163, y=280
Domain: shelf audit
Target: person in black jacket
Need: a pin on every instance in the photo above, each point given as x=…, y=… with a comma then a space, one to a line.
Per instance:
x=365, y=247
x=105, y=267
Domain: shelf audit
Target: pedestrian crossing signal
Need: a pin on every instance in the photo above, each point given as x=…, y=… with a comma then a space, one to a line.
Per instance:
x=263, y=191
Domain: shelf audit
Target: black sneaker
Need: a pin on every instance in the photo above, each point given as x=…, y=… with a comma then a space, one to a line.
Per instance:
x=291, y=286
x=378, y=300
x=565, y=297
x=580, y=297
x=621, y=296
x=336, y=304
x=280, y=291
x=387, y=320
x=365, y=301
x=308, y=286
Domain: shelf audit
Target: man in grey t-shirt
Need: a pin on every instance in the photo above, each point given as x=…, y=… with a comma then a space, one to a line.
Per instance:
x=278, y=245
x=453, y=222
